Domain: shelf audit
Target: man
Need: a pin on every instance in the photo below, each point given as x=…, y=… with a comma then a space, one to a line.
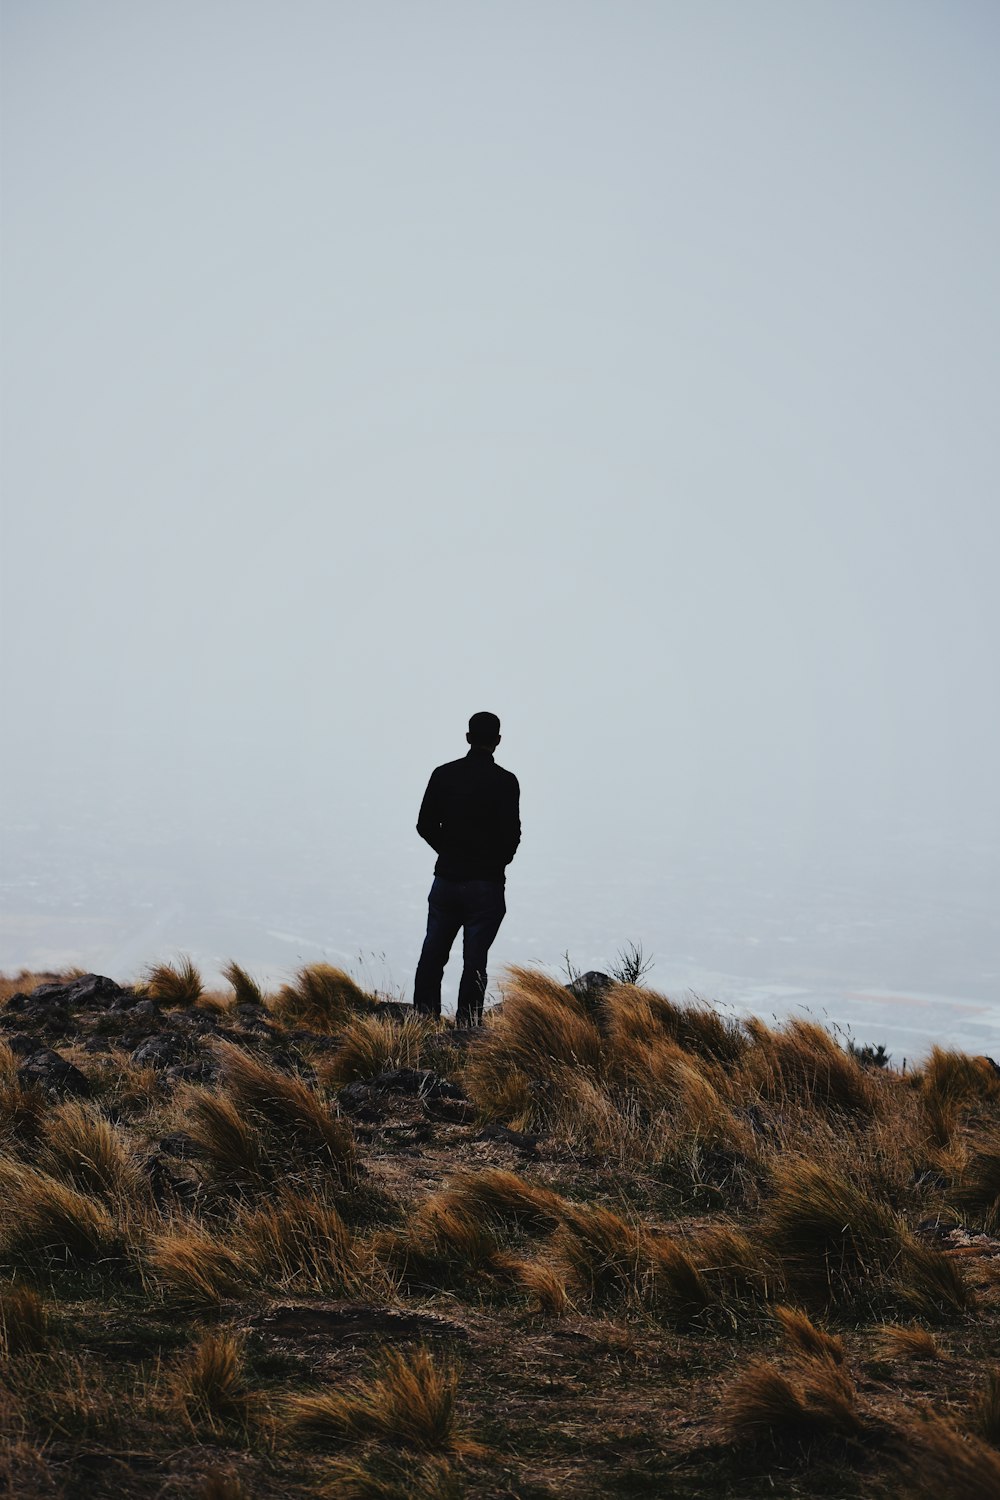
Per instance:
x=470, y=816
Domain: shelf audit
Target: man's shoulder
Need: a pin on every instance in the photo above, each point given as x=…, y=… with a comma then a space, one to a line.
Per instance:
x=508, y=776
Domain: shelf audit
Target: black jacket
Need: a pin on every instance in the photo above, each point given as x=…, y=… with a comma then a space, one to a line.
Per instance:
x=470, y=815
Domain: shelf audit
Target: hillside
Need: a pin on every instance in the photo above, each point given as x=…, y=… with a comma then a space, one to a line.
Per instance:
x=306, y=1244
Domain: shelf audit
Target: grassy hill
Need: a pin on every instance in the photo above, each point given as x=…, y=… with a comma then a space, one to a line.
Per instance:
x=307, y=1244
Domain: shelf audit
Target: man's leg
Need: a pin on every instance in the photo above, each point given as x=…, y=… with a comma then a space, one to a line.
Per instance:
x=485, y=909
x=444, y=918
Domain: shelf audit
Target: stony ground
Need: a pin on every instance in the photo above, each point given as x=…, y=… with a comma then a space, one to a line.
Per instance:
x=154, y=1347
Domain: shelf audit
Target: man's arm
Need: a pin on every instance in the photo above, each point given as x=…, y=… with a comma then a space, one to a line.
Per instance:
x=429, y=817
x=512, y=818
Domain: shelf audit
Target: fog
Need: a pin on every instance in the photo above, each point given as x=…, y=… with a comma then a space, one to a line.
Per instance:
x=631, y=371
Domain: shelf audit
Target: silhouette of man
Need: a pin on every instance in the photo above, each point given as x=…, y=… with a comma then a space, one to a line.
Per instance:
x=470, y=816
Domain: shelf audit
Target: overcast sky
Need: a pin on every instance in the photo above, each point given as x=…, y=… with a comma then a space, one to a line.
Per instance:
x=627, y=369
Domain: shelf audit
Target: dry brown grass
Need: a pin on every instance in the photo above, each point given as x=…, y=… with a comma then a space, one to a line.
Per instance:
x=262, y=1125
x=246, y=989
x=298, y=1244
x=896, y=1341
x=209, y=1386
x=46, y=1224
x=370, y=1045
x=932, y=1459
x=803, y=1337
x=813, y=1399
x=173, y=984
x=22, y=1109
x=321, y=997
x=633, y=1013
x=837, y=1241
x=800, y=1062
x=985, y=1412
x=82, y=1148
x=192, y=1268
x=505, y=1198
x=386, y=1476
x=24, y=1321
x=612, y=1262
x=410, y=1400
x=979, y=1188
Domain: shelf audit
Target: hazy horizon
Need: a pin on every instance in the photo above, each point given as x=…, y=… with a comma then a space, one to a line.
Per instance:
x=631, y=372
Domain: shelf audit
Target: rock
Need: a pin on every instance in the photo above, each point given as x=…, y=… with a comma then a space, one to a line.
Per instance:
x=97, y=1044
x=179, y=1143
x=53, y=1074
x=161, y=1050
x=591, y=986
x=419, y=1081
x=145, y=1010
x=22, y=1045
x=201, y=1071
x=89, y=992
x=516, y=1138
x=362, y=1101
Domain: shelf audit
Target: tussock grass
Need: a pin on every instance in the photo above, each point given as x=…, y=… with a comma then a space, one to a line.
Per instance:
x=221, y=1484
x=634, y=1013
x=985, y=1411
x=801, y=1062
x=813, y=1399
x=444, y=1242
x=956, y=1078
x=22, y=1109
x=246, y=989
x=931, y=1459
x=913, y=1342
x=262, y=1125
x=209, y=1384
x=502, y=1196
x=321, y=998
x=979, y=1188
x=192, y=1268
x=84, y=1150
x=173, y=984
x=542, y=1030
x=410, y=1400
x=803, y=1337
x=24, y=1321
x=380, y=1476
x=613, y=1262
x=298, y=1244
x=542, y=1281
x=373, y=1044
x=838, y=1241
x=44, y=1222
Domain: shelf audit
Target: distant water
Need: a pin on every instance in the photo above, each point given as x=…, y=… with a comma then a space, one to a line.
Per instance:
x=902, y=949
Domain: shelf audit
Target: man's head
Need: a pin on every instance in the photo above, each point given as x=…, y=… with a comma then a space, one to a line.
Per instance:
x=484, y=731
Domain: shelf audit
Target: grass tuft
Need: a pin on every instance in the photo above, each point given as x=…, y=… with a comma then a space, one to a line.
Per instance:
x=173, y=984
x=247, y=990
x=803, y=1337
x=45, y=1222
x=931, y=1459
x=813, y=1399
x=24, y=1321
x=209, y=1384
x=298, y=1244
x=410, y=1400
x=83, y=1149
x=321, y=997
x=373, y=1044
x=192, y=1268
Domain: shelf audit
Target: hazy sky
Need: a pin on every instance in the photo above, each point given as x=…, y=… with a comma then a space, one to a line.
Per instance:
x=629, y=369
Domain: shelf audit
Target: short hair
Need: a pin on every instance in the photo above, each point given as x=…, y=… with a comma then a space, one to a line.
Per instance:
x=484, y=729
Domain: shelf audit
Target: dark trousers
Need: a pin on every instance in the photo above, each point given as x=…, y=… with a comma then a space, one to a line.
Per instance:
x=476, y=906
